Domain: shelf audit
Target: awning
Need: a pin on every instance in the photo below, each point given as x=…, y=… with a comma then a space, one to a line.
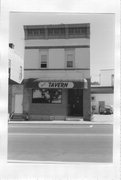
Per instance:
x=55, y=84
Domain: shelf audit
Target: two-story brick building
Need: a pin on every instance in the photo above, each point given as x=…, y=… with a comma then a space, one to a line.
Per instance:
x=57, y=71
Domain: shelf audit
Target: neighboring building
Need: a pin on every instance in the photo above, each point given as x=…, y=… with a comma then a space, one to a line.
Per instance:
x=57, y=71
x=106, y=77
x=102, y=95
x=15, y=81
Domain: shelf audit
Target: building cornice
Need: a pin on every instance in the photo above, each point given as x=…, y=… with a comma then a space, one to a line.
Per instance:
x=56, y=26
x=58, y=69
x=56, y=47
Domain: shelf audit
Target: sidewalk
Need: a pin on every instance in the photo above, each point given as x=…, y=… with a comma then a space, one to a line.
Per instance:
x=102, y=118
x=96, y=119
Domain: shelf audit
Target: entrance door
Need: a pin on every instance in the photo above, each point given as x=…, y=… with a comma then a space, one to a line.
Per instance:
x=75, y=102
x=18, y=103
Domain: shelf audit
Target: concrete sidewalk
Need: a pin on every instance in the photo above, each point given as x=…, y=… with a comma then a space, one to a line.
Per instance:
x=96, y=119
x=102, y=118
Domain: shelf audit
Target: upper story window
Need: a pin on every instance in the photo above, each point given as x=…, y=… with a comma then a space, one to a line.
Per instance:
x=44, y=58
x=44, y=61
x=74, y=31
x=78, y=32
x=36, y=33
x=58, y=31
x=70, y=58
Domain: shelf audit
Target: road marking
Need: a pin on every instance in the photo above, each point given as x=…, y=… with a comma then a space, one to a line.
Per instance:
x=53, y=134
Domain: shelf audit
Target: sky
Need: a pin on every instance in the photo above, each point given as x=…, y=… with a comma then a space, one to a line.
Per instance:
x=101, y=37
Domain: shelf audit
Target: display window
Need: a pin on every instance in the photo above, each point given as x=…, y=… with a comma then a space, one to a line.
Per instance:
x=52, y=96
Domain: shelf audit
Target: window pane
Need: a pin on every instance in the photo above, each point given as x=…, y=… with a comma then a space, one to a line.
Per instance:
x=44, y=57
x=69, y=63
x=30, y=32
x=53, y=96
x=43, y=61
x=71, y=31
x=42, y=31
x=36, y=32
x=56, y=96
x=43, y=65
x=69, y=57
x=50, y=31
x=56, y=32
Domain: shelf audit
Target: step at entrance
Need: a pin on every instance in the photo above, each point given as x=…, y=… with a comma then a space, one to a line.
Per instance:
x=17, y=116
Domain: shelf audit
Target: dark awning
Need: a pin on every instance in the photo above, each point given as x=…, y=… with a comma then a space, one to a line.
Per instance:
x=54, y=84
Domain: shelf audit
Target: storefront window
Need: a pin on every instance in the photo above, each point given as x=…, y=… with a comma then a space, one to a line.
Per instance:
x=53, y=96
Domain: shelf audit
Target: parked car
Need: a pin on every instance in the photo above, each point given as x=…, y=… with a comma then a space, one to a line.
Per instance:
x=107, y=110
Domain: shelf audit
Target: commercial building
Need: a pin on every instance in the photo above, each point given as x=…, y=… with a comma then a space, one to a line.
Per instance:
x=56, y=82
x=57, y=71
x=103, y=95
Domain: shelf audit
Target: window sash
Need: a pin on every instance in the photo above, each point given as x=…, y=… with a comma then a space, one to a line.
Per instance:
x=44, y=59
x=70, y=58
x=69, y=63
x=43, y=64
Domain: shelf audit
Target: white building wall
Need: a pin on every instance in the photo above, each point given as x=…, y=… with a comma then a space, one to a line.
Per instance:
x=31, y=59
x=56, y=58
x=82, y=57
x=57, y=74
x=106, y=77
x=107, y=98
x=57, y=42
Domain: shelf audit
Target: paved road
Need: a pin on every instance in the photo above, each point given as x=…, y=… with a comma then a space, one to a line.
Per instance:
x=63, y=143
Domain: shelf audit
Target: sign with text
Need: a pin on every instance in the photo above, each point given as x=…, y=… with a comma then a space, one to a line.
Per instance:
x=54, y=84
x=15, y=66
x=51, y=84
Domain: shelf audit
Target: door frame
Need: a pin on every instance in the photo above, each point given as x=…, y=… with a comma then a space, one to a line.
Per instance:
x=72, y=102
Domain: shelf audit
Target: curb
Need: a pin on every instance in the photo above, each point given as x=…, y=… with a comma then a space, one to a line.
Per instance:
x=61, y=122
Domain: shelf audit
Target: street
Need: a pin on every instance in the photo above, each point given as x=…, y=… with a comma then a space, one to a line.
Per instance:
x=60, y=143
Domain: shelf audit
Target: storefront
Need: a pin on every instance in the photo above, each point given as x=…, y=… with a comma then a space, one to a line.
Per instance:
x=56, y=100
